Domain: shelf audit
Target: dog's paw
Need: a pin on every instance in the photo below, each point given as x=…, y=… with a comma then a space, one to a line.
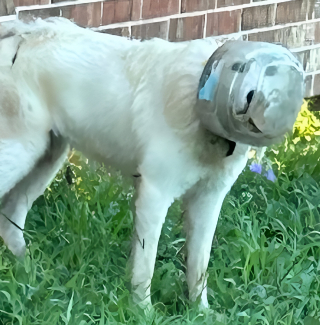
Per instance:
x=17, y=246
x=18, y=251
x=141, y=298
x=144, y=304
x=203, y=305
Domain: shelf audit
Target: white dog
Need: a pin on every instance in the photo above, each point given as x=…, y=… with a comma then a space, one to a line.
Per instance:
x=182, y=116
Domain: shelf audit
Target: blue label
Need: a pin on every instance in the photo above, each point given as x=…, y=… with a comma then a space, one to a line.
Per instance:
x=207, y=91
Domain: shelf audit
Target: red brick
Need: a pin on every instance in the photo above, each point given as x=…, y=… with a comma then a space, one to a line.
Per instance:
x=30, y=2
x=28, y=15
x=316, y=32
x=116, y=11
x=227, y=3
x=316, y=85
x=196, y=5
x=313, y=63
x=291, y=11
x=270, y=36
x=188, y=28
x=86, y=15
x=313, y=9
x=315, y=12
x=304, y=58
x=159, y=8
x=121, y=31
x=136, y=8
x=225, y=22
x=148, y=31
x=291, y=37
x=312, y=33
x=6, y=7
x=56, y=1
x=256, y=17
x=308, y=83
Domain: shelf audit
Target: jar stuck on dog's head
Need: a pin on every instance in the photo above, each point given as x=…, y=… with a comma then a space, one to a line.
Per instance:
x=250, y=92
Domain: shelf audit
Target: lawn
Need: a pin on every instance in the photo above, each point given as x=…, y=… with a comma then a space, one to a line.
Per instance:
x=264, y=266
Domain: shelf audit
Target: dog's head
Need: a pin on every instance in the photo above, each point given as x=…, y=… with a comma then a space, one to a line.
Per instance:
x=250, y=92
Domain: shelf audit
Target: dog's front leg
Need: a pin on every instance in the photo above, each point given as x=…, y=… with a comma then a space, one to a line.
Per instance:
x=151, y=208
x=201, y=220
x=203, y=203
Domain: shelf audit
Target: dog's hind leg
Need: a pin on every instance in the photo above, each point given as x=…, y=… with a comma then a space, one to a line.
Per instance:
x=18, y=200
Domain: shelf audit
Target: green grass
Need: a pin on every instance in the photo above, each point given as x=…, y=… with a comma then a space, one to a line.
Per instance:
x=264, y=266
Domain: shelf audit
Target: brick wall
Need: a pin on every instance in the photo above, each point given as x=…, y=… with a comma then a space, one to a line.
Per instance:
x=294, y=23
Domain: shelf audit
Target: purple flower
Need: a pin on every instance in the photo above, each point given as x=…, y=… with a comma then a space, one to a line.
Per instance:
x=270, y=175
x=256, y=168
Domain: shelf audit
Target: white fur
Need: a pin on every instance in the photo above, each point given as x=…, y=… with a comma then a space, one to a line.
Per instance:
x=129, y=104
